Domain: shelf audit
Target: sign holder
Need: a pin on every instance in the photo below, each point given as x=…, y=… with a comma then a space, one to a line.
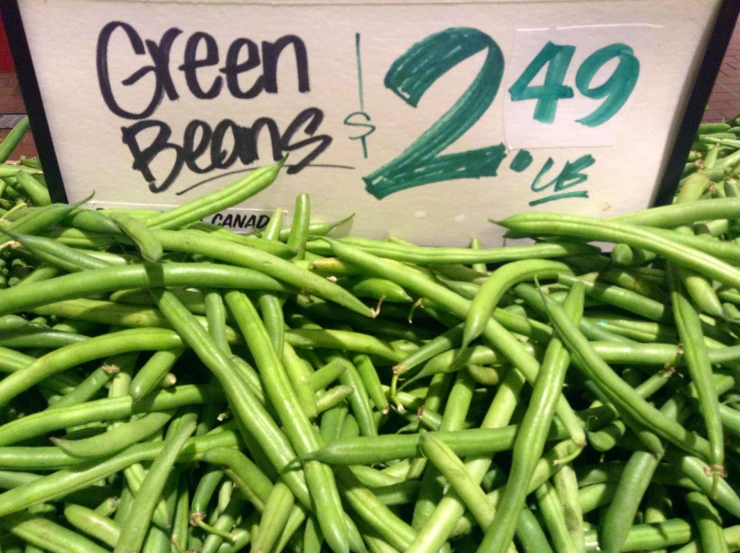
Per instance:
x=13, y=24
x=705, y=76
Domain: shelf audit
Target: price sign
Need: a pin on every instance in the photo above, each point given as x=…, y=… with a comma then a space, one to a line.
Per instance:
x=425, y=119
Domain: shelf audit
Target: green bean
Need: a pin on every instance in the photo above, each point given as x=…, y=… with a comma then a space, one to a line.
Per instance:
x=381, y=328
x=327, y=374
x=343, y=340
x=497, y=284
x=133, y=532
x=39, y=337
x=117, y=439
x=14, y=137
x=530, y=533
x=45, y=217
x=59, y=255
x=437, y=256
x=275, y=515
x=272, y=229
x=619, y=391
x=700, y=369
x=216, y=317
x=530, y=442
x=87, y=219
x=94, y=382
x=554, y=517
x=453, y=419
x=272, y=248
x=332, y=397
x=156, y=540
x=272, y=315
x=622, y=254
x=88, y=350
x=721, y=492
x=124, y=506
x=454, y=360
x=332, y=421
x=359, y=400
x=48, y=535
x=700, y=291
x=41, y=272
x=249, y=479
x=708, y=523
x=224, y=523
x=92, y=524
x=146, y=242
x=12, y=361
x=368, y=450
x=135, y=476
x=106, y=409
x=38, y=193
x=597, y=229
x=620, y=297
x=302, y=437
x=149, y=375
x=566, y=486
x=485, y=376
x=299, y=228
x=317, y=228
x=467, y=290
x=133, y=276
x=181, y=517
x=103, y=312
x=373, y=513
x=13, y=479
x=204, y=491
x=671, y=216
x=312, y=538
x=621, y=511
x=371, y=381
x=731, y=536
x=453, y=469
x=378, y=288
x=645, y=537
x=192, y=299
x=260, y=261
x=594, y=496
x=223, y=198
x=300, y=380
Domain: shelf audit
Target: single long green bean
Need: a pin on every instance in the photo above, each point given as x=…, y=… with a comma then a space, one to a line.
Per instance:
x=134, y=276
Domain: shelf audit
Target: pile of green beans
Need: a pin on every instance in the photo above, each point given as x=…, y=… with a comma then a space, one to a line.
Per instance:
x=168, y=386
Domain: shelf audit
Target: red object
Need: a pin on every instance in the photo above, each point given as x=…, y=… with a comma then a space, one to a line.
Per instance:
x=6, y=61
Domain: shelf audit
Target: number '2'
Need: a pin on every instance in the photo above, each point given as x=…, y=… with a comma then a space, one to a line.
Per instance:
x=410, y=76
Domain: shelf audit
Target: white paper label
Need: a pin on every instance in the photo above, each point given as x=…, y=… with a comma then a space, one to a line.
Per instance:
x=398, y=112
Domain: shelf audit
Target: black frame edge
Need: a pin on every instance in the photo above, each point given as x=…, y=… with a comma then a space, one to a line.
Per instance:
x=701, y=90
x=31, y=93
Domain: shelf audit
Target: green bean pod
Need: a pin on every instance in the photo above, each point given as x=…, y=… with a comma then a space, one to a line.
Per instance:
x=14, y=137
x=497, y=284
x=199, y=208
x=700, y=369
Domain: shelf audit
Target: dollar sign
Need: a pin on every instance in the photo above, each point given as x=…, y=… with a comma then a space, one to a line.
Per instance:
x=355, y=119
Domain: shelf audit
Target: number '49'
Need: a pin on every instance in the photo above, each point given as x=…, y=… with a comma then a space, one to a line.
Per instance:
x=616, y=89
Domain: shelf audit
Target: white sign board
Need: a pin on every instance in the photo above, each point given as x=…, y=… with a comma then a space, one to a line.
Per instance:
x=425, y=119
